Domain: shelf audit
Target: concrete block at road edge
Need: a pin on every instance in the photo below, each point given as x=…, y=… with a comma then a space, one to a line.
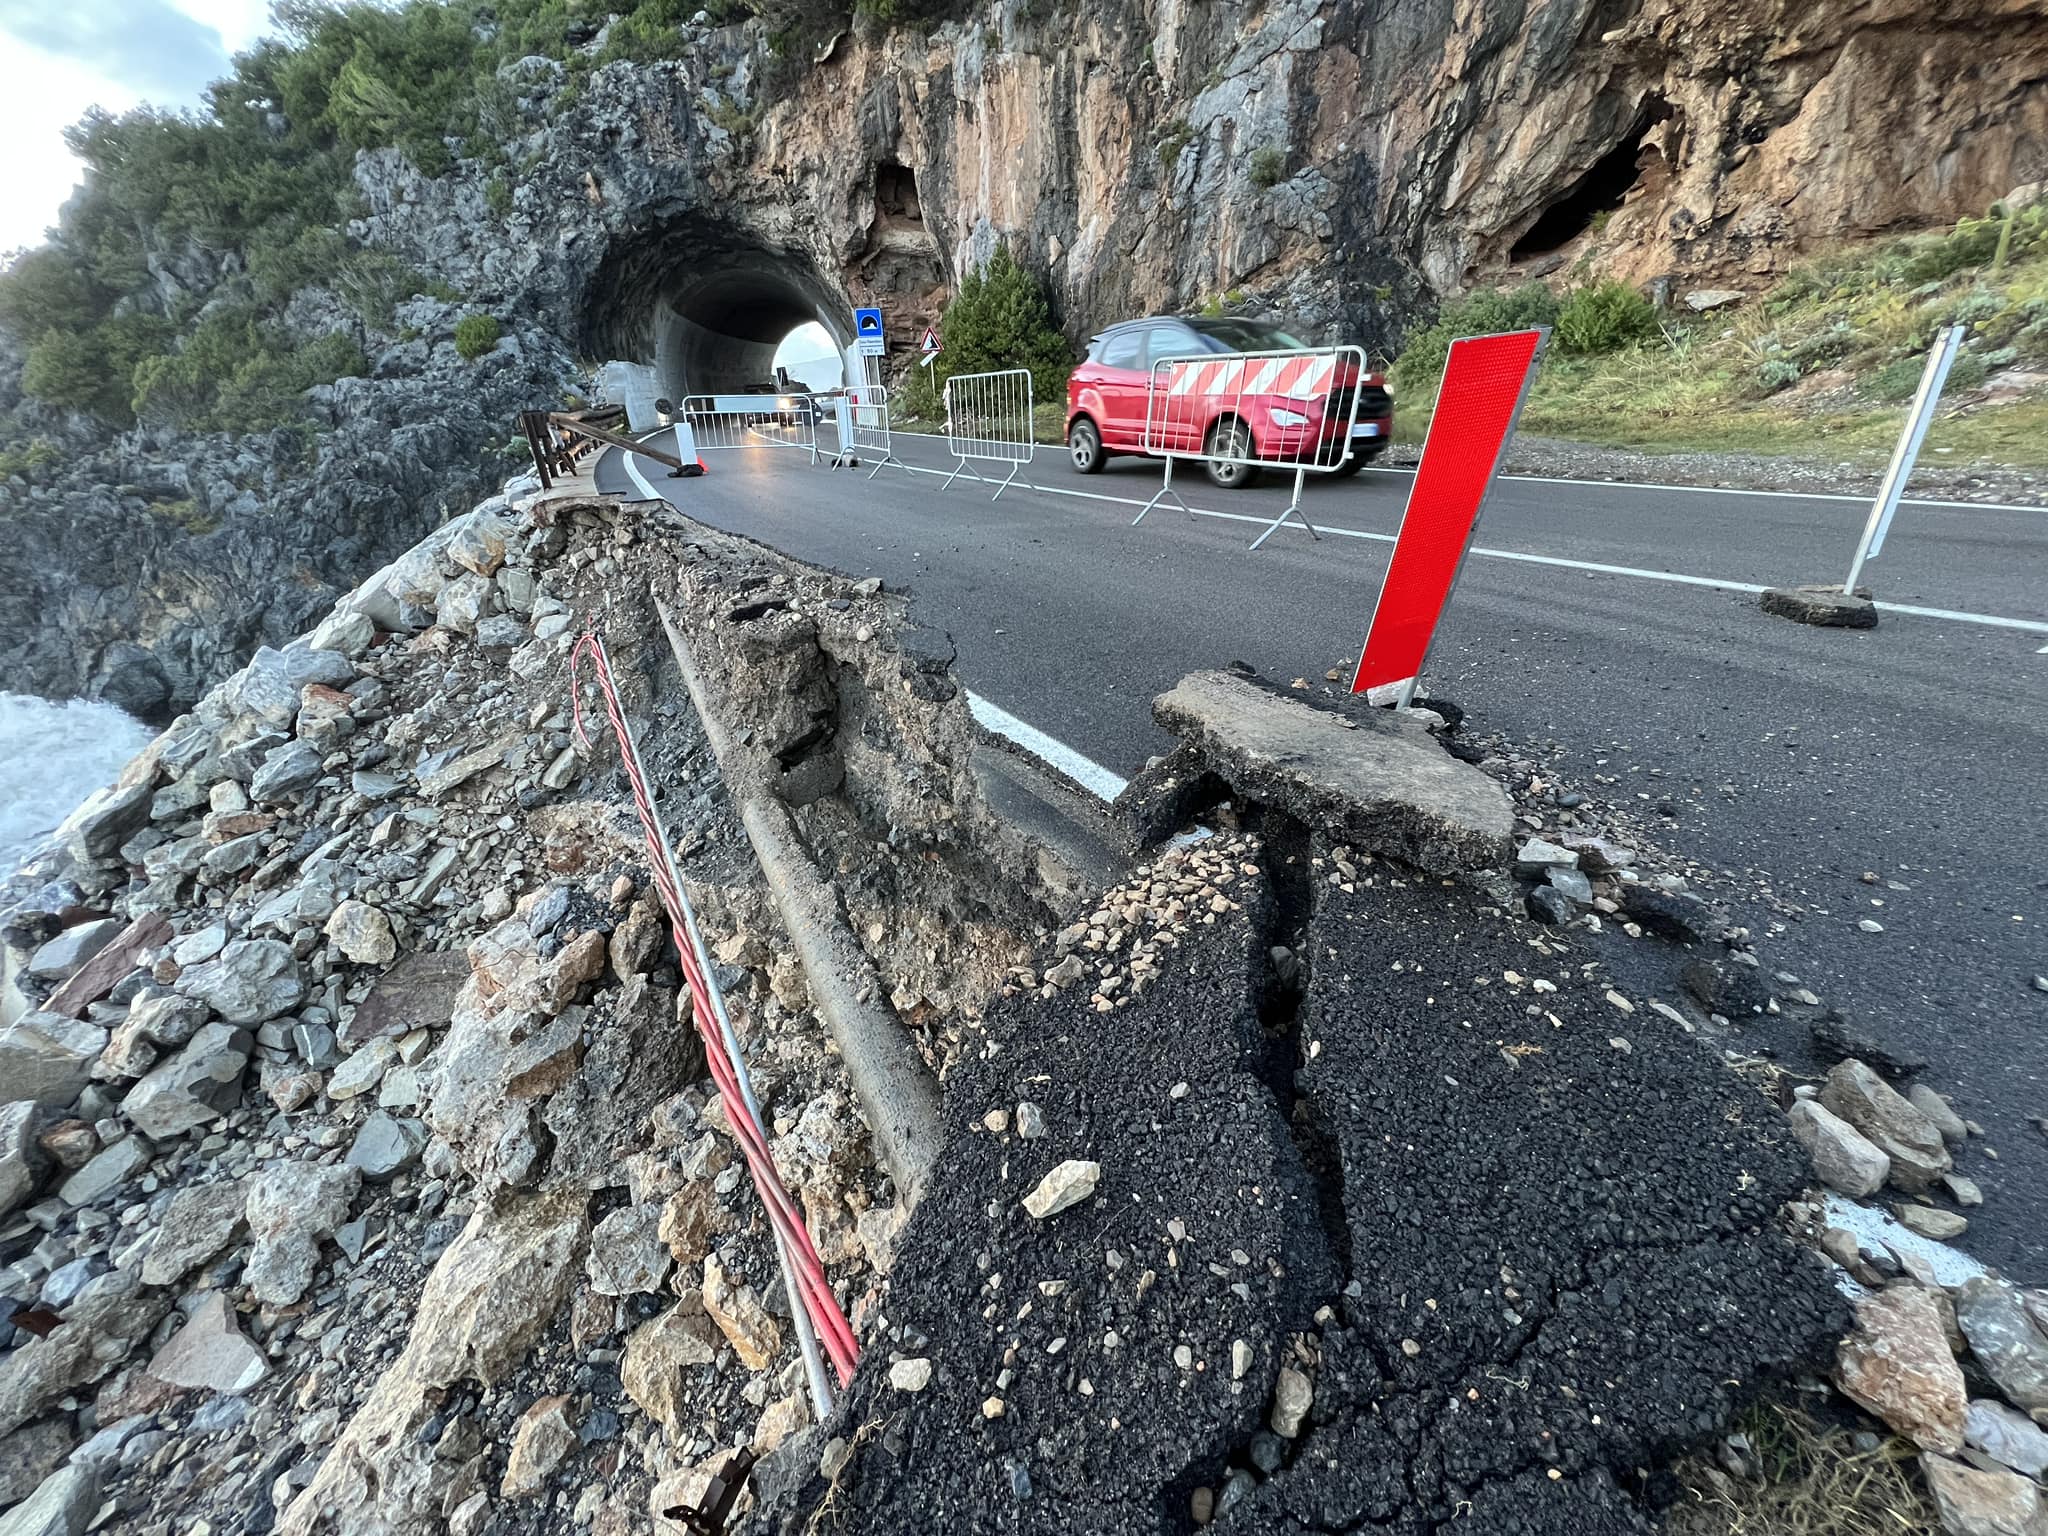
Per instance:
x=1377, y=781
x=1825, y=607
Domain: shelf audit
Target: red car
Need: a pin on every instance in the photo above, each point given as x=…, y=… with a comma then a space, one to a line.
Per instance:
x=1264, y=416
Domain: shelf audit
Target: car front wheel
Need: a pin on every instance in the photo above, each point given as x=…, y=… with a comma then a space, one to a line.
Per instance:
x=1084, y=446
x=1230, y=441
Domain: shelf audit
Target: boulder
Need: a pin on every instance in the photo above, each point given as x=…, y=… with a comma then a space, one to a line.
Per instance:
x=386, y=1146
x=1897, y=1364
x=252, y=981
x=627, y=1256
x=47, y=1060
x=1374, y=781
x=309, y=666
x=487, y=1300
x=31, y=1454
x=286, y=771
x=108, y=1170
x=60, y=957
x=200, y=1221
x=2007, y=1436
x=1983, y=1501
x=346, y=631
x=542, y=1440
x=195, y=1087
x=262, y=694
x=21, y=1160
x=658, y=1353
x=740, y=1316
x=362, y=933
x=477, y=541
x=290, y=1208
x=210, y=1353
x=1843, y=1158
x=63, y=1506
x=1866, y=1101
x=168, y=1018
x=464, y=601
x=107, y=819
x=2012, y=1350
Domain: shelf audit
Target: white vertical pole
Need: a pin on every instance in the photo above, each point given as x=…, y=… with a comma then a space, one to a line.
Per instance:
x=1906, y=453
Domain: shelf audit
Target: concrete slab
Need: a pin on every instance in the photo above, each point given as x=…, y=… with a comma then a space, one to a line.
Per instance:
x=1823, y=607
x=1378, y=782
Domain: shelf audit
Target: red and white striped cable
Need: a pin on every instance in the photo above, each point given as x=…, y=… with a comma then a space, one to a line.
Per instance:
x=805, y=1271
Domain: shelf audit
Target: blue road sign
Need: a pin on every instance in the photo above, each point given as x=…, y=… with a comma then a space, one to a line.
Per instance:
x=867, y=327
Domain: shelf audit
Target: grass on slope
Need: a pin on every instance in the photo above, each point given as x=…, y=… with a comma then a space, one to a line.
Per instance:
x=1821, y=365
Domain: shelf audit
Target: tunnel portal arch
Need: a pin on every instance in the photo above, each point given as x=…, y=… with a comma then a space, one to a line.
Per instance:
x=706, y=304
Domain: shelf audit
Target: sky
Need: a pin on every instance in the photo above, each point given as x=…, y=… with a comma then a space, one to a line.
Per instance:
x=65, y=56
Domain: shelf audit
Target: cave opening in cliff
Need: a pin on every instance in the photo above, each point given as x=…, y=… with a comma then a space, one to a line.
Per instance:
x=1602, y=189
x=708, y=306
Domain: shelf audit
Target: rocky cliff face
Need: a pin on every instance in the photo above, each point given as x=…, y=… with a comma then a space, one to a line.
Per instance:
x=1338, y=161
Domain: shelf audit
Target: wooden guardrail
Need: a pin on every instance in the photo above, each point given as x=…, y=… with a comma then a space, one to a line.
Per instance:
x=561, y=440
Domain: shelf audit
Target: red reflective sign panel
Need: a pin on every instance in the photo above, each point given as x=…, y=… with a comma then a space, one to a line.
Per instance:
x=1475, y=414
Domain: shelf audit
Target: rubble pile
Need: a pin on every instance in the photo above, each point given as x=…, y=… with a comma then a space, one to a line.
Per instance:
x=358, y=1166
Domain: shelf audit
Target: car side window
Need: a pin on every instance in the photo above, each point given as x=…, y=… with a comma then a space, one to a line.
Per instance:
x=1174, y=341
x=1126, y=349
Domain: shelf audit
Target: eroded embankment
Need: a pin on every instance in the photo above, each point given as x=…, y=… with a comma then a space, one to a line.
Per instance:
x=1395, y=1211
x=362, y=1174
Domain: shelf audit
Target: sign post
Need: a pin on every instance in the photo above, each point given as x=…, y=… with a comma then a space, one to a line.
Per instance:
x=867, y=331
x=1485, y=381
x=1906, y=453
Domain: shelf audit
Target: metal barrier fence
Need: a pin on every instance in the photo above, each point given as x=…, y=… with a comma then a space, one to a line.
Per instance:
x=988, y=417
x=752, y=421
x=867, y=407
x=1294, y=410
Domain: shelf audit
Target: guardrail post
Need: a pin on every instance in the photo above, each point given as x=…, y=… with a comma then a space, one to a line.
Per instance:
x=1907, y=453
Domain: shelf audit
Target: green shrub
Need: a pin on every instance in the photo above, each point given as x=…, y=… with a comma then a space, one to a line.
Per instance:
x=1776, y=373
x=999, y=318
x=1968, y=371
x=498, y=195
x=475, y=335
x=65, y=369
x=1477, y=314
x=32, y=459
x=1174, y=137
x=1268, y=168
x=42, y=289
x=1605, y=317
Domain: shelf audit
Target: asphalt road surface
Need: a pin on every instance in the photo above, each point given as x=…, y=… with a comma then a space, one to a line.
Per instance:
x=1608, y=625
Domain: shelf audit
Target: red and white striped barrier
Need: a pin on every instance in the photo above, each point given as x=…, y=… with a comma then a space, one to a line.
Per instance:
x=1294, y=410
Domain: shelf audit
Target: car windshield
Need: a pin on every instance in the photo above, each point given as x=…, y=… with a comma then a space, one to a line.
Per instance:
x=1232, y=335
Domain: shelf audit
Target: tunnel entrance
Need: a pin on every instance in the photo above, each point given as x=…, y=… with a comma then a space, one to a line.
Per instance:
x=1603, y=188
x=706, y=305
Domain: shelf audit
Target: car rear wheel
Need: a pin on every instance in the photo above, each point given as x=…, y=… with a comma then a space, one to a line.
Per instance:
x=1231, y=440
x=1084, y=446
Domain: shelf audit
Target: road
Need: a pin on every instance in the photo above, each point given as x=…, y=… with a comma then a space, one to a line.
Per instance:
x=1790, y=760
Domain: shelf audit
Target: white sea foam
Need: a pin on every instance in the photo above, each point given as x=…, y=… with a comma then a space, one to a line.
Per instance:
x=51, y=757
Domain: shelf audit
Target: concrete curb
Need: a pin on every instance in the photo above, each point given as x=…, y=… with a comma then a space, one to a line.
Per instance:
x=897, y=1092
x=1823, y=607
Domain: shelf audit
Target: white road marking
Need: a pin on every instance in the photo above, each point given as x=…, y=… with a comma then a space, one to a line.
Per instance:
x=633, y=474
x=1522, y=557
x=1873, y=1228
x=1693, y=490
x=1731, y=490
x=1085, y=771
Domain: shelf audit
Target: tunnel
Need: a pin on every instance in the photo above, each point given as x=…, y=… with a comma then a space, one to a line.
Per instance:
x=706, y=305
